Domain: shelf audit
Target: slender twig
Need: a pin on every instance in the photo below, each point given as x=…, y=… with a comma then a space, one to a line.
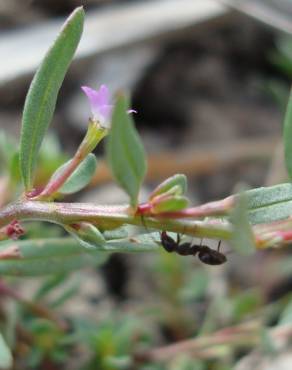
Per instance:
x=247, y=334
x=220, y=207
x=242, y=334
x=107, y=217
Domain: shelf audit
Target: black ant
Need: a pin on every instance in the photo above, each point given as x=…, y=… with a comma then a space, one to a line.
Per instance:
x=205, y=254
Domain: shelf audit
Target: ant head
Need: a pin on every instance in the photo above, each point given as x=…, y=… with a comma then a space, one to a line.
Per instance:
x=168, y=243
x=165, y=238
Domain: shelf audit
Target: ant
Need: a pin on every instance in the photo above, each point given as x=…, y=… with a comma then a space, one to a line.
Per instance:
x=205, y=254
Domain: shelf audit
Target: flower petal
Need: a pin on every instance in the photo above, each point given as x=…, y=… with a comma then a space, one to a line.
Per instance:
x=93, y=97
x=105, y=113
x=100, y=104
x=104, y=95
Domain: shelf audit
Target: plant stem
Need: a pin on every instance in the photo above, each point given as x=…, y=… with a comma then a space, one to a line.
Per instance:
x=216, y=208
x=236, y=336
x=109, y=217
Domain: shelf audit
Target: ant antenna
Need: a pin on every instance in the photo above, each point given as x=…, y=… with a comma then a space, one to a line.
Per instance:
x=219, y=245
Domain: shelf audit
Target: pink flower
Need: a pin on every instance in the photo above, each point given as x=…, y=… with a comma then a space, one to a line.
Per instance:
x=100, y=104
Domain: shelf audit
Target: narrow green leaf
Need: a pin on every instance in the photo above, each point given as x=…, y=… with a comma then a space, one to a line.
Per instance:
x=266, y=196
x=5, y=355
x=125, y=151
x=49, y=256
x=14, y=169
x=288, y=136
x=179, y=181
x=62, y=255
x=65, y=295
x=49, y=285
x=268, y=204
x=80, y=177
x=242, y=239
x=42, y=95
x=274, y=212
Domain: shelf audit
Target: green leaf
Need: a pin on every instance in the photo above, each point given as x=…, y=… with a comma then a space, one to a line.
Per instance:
x=242, y=238
x=170, y=204
x=274, y=212
x=42, y=95
x=5, y=355
x=125, y=151
x=266, y=196
x=49, y=256
x=49, y=285
x=179, y=181
x=80, y=177
x=87, y=235
x=14, y=169
x=268, y=204
x=288, y=136
x=61, y=255
x=70, y=292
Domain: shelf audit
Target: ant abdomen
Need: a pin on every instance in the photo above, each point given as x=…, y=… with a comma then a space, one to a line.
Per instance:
x=211, y=257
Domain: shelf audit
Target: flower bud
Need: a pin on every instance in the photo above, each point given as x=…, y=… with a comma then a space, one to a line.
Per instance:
x=86, y=234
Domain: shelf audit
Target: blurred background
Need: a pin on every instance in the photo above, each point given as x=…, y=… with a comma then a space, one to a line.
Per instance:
x=210, y=81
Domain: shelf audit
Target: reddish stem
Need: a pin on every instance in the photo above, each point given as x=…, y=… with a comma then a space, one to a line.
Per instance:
x=55, y=184
x=144, y=209
x=217, y=208
x=285, y=235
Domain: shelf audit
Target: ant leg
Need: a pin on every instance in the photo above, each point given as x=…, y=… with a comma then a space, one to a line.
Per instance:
x=178, y=238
